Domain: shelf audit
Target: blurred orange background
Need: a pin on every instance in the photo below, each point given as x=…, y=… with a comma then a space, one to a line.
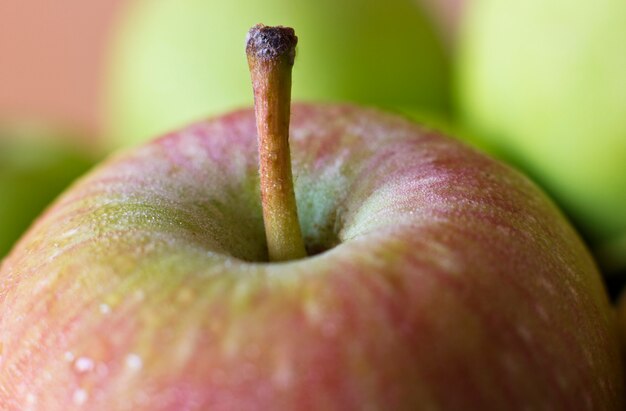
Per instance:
x=67, y=40
x=39, y=37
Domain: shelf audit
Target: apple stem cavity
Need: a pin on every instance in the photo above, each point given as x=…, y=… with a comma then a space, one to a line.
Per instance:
x=271, y=52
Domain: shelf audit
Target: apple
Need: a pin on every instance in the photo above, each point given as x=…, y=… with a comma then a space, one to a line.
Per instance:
x=174, y=62
x=545, y=83
x=36, y=164
x=433, y=278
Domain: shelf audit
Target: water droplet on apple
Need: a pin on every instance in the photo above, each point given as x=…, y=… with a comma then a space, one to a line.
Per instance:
x=31, y=402
x=80, y=396
x=83, y=364
x=31, y=399
x=105, y=309
x=133, y=362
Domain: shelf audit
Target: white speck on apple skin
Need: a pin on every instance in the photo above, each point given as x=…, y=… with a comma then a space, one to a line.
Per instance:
x=55, y=253
x=133, y=362
x=105, y=309
x=80, y=396
x=69, y=233
x=31, y=399
x=83, y=364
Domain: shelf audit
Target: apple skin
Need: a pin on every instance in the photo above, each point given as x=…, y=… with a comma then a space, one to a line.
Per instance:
x=36, y=165
x=174, y=62
x=449, y=281
x=545, y=84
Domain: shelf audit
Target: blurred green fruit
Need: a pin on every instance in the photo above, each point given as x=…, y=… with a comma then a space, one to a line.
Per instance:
x=174, y=62
x=545, y=83
x=35, y=166
x=447, y=14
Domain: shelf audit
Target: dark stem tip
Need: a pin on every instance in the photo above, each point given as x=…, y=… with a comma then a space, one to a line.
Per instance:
x=270, y=43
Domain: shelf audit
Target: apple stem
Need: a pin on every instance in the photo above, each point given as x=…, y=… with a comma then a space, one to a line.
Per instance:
x=271, y=53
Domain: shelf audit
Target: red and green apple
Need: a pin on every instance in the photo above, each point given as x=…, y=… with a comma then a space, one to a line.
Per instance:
x=419, y=274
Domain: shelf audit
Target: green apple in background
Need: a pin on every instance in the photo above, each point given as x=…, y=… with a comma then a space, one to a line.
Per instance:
x=545, y=84
x=173, y=62
x=35, y=165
